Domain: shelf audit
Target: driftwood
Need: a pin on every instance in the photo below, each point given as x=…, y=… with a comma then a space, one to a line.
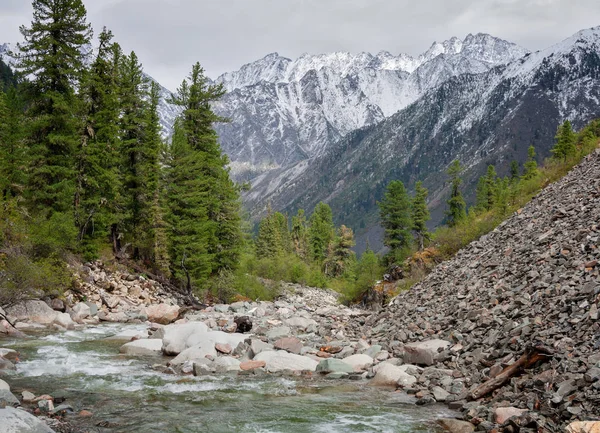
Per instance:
x=531, y=356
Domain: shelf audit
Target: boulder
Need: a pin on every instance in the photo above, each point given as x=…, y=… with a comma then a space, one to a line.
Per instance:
x=7, y=398
x=456, y=426
x=128, y=335
x=9, y=354
x=333, y=365
x=64, y=320
x=4, y=386
x=359, y=361
x=18, y=421
x=58, y=305
x=252, y=365
x=289, y=344
x=584, y=427
x=300, y=322
x=5, y=364
x=145, y=347
x=392, y=375
x=203, y=344
x=424, y=352
x=243, y=324
x=162, y=313
x=279, y=332
x=502, y=414
x=80, y=312
x=281, y=360
x=27, y=396
x=175, y=339
x=224, y=364
x=257, y=346
x=33, y=311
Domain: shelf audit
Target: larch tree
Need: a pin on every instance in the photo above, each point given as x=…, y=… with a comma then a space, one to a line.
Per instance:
x=420, y=215
x=530, y=168
x=299, y=235
x=457, y=208
x=342, y=256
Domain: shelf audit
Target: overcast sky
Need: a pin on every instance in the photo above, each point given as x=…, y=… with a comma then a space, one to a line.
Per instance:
x=170, y=35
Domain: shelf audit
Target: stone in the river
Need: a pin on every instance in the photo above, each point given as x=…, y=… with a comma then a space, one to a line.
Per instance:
x=252, y=365
x=33, y=311
x=18, y=421
x=440, y=394
x=7, y=398
x=4, y=386
x=80, y=312
x=162, y=313
x=391, y=375
x=85, y=413
x=27, y=396
x=127, y=335
x=359, y=361
x=64, y=320
x=243, y=324
x=456, y=426
x=289, y=344
x=334, y=366
x=282, y=360
x=584, y=427
x=424, y=352
x=5, y=364
x=502, y=414
x=257, y=346
x=144, y=347
x=46, y=405
x=225, y=364
x=176, y=336
x=203, y=344
x=10, y=354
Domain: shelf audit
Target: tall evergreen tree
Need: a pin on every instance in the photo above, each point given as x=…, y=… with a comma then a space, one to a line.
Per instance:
x=299, y=235
x=342, y=256
x=420, y=214
x=273, y=236
x=514, y=170
x=213, y=191
x=395, y=212
x=565, y=142
x=51, y=56
x=530, y=168
x=13, y=154
x=97, y=196
x=320, y=232
x=456, y=211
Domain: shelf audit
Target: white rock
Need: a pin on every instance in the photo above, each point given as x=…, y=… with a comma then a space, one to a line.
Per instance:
x=300, y=322
x=80, y=312
x=200, y=345
x=225, y=364
x=64, y=320
x=128, y=335
x=282, y=360
x=18, y=421
x=176, y=336
x=142, y=347
x=4, y=385
x=391, y=375
x=33, y=311
x=359, y=361
x=424, y=352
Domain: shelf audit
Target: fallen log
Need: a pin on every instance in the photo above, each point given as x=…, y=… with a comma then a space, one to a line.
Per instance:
x=532, y=356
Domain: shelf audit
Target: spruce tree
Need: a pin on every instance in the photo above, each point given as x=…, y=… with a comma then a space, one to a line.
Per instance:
x=342, y=256
x=420, y=214
x=97, y=196
x=456, y=211
x=51, y=56
x=530, y=168
x=565, y=142
x=299, y=235
x=320, y=232
x=514, y=171
x=204, y=183
x=395, y=212
x=13, y=154
x=273, y=237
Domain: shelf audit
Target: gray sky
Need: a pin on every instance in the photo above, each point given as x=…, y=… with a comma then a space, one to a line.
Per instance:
x=170, y=35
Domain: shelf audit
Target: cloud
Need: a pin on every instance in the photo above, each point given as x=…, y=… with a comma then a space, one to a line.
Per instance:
x=170, y=35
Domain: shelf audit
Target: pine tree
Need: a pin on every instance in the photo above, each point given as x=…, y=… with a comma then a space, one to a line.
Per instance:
x=51, y=56
x=98, y=188
x=565, y=142
x=320, y=232
x=456, y=203
x=514, y=170
x=299, y=235
x=530, y=168
x=342, y=256
x=273, y=237
x=420, y=214
x=13, y=154
x=203, y=183
x=395, y=212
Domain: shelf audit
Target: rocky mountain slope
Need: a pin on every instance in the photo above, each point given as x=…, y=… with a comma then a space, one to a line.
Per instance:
x=485, y=118
x=284, y=111
x=532, y=282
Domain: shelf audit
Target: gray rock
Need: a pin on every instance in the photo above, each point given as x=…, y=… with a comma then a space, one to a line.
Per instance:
x=456, y=426
x=279, y=332
x=282, y=360
x=359, y=361
x=33, y=311
x=424, y=352
x=145, y=347
x=333, y=365
x=257, y=346
x=391, y=375
x=440, y=394
x=18, y=421
x=7, y=398
x=4, y=386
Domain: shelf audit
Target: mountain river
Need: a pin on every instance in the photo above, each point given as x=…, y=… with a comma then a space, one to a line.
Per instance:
x=126, y=395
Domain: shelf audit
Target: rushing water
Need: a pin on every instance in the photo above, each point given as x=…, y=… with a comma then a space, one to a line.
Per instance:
x=89, y=372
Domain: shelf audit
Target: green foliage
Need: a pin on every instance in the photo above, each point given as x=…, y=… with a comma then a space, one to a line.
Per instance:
x=320, y=232
x=13, y=153
x=273, y=236
x=395, y=212
x=530, y=168
x=457, y=208
x=299, y=235
x=564, y=147
x=420, y=215
x=514, y=170
x=7, y=77
x=341, y=256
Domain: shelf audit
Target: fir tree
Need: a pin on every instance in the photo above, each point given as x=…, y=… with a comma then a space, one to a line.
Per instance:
x=98, y=188
x=13, y=154
x=456, y=203
x=530, y=168
x=514, y=171
x=565, y=142
x=420, y=215
x=395, y=212
x=320, y=232
x=51, y=56
x=273, y=237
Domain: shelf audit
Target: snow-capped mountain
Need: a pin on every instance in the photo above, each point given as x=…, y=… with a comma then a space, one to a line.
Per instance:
x=487, y=118
x=284, y=111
